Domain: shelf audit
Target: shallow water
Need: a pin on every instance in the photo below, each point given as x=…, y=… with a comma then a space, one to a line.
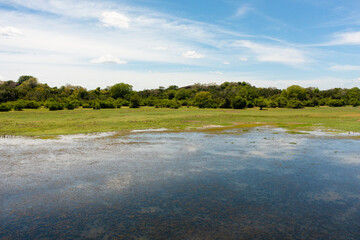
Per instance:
x=257, y=184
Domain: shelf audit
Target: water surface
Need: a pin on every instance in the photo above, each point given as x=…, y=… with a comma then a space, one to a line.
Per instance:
x=257, y=184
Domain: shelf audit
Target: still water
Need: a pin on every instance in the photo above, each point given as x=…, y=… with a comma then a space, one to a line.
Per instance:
x=261, y=183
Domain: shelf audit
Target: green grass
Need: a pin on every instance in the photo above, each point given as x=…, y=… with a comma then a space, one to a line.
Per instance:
x=43, y=122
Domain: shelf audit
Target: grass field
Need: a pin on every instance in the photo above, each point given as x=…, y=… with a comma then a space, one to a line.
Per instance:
x=43, y=122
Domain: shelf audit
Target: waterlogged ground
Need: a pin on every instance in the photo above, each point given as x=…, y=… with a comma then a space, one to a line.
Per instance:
x=258, y=184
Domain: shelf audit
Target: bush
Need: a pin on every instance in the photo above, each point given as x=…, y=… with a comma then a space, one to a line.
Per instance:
x=125, y=102
x=134, y=101
x=272, y=104
x=174, y=104
x=87, y=105
x=226, y=103
x=96, y=105
x=204, y=100
x=19, y=105
x=107, y=104
x=250, y=104
x=118, y=103
x=354, y=102
x=323, y=102
x=54, y=106
x=32, y=105
x=71, y=105
x=295, y=104
x=5, y=107
x=239, y=103
x=281, y=102
x=336, y=103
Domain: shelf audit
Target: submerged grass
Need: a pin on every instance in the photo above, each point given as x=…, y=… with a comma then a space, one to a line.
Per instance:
x=43, y=122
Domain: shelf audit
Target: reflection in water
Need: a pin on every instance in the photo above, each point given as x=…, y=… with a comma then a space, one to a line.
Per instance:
x=160, y=185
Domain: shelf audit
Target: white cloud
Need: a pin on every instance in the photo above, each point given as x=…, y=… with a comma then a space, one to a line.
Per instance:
x=243, y=59
x=269, y=53
x=192, y=54
x=114, y=19
x=351, y=38
x=345, y=68
x=241, y=11
x=9, y=31
x=160, y=48
x=108, y=59
x=1, y=77
x=217, y=73
x=226, y=63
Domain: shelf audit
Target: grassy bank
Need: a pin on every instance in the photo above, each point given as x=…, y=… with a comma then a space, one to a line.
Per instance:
x=45, y=122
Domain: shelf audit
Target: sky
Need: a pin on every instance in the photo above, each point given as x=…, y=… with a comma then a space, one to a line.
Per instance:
x=152, y=43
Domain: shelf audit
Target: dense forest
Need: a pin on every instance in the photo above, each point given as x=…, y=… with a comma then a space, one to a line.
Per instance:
x=27, y=92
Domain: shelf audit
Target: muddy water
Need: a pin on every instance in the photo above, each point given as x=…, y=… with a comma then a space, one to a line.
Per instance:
x=257, y=184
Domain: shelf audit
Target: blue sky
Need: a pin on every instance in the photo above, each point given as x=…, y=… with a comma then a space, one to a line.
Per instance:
x=152, y=43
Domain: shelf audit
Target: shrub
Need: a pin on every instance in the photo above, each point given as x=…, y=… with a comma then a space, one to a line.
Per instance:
x=239, y=103
x=272, y=104
x=134, y=101
x=336, y=103
x=118, y=103
x=54, y=106
x=5, y=107
x=323, y=102
x=125, y=102
x=281, y=102
x=174, y=104
x=204, y=100
x=295, y=104
x=86, y=105
x=32, y=105
x=354, y=102
x=107, y=104
x=71, y=105
x=226, y=103
x=96, y=105
x=250, y=104
x=19, y=105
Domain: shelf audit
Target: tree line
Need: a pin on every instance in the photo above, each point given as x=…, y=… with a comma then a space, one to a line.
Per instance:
x=27, y=92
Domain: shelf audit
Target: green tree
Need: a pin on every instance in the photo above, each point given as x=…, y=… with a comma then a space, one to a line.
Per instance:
x=134, y=101
x=239, y=102
x=23, y=79
x=204, y=100
x=261, y=103
x=183, y=94
x=120, y=90
x=295, y=92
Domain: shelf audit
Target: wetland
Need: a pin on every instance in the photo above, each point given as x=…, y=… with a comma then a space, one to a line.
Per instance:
x=238, y=183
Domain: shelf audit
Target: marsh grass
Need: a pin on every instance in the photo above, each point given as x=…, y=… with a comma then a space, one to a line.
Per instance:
x=42, y=122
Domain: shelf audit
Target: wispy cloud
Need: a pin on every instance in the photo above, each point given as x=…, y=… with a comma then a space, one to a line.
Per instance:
x=218, y=73
x=243, y=10
x=277, y=54
x=243, y=59
x=108, y=59
x=9, y=31
x=114, y=19
x=160, y=48
x=345, y=68
x=346, y=38
x=192, y=54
